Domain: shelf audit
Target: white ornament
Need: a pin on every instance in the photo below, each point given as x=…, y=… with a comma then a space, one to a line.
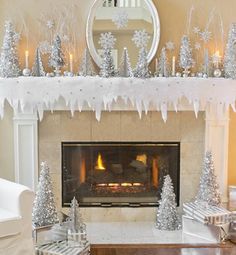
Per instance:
x=217, y=73
x=196, y=30
x=170, y=46
x=107, y=40
x=141, y=38
x=205, y=36
x=121, y=19
x=178, y=74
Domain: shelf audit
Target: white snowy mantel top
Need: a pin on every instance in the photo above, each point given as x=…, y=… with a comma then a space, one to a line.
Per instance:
x=43, y=93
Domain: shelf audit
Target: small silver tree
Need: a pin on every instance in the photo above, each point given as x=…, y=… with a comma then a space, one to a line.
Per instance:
x=230, y=54
x=9, y=62
x=44, y=208
x=37, y=69
x=163, y=67
x=208, y=191
x=125, y=69
x=86, y=67
x=167, y=216
x=185, y=59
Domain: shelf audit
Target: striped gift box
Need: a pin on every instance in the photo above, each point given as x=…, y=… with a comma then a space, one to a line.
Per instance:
x=61, y=249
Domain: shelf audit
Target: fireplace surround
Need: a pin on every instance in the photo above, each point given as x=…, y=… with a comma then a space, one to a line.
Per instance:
x=118, y=173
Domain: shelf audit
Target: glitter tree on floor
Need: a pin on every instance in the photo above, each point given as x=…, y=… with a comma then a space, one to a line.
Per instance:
x=86, y=67
x=185, y=58
x=163, y=68
x=208, y=189
x=44, y=209
x=37, y=69
x=56, y=58
x=9, y=63
x=107, y=68
x=125, y=69
x=167, y=216
x=141, y=39
x=230, y=54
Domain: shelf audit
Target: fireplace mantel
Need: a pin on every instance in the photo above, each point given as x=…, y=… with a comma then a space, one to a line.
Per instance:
x=31, y=96
x=37, y=94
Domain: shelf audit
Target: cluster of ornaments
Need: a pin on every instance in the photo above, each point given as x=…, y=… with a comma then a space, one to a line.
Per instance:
x=9, y=62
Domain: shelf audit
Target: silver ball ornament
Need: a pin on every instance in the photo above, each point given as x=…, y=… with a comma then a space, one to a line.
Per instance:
x=178, y=74
x=26, y=72
x=217, y=73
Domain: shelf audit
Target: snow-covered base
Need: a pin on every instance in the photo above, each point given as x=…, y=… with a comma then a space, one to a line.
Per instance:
x=42, y=93
x=137, y=233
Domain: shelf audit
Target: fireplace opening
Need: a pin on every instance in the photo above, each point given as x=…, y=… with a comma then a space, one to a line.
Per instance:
x=118, y=173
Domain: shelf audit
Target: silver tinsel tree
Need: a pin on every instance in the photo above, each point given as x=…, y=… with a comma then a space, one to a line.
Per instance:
x=163, y=66
x=141, y=39
x=185, y=58
x=208, y=189
x=37, y=69
x=44, y=209
x=9, y=63
x=167, y=216
x=125, y=69
x=86, y=67
x=107, y=68
x=56, y=57
x=230, y=54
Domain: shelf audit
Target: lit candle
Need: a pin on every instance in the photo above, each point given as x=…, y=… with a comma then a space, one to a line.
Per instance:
x=71, y=63
x=156, y=65
x=216, y=59
x=27, y=59
x=173, y=66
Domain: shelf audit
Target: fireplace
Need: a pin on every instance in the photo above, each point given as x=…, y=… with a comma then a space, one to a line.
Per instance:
x=118, y=173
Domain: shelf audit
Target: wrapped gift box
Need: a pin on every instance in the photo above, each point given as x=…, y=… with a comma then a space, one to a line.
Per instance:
x=211, y=233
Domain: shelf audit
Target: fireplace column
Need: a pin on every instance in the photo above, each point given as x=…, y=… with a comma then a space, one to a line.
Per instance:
x=217, y=140
x=26, y=148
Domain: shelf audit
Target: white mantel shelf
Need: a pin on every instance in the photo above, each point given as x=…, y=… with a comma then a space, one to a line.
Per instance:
x=31, y=96
x=36, y=94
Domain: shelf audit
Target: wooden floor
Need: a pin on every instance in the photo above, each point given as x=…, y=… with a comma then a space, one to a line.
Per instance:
x=153, y=249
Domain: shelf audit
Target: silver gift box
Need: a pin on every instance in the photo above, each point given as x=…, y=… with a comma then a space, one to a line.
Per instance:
x=210, y=233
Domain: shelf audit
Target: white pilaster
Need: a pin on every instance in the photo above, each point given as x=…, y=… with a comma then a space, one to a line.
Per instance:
x=217, y=140
x=26, y=149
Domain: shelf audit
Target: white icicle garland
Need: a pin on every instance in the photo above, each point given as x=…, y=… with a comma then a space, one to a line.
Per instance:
x=42, y=93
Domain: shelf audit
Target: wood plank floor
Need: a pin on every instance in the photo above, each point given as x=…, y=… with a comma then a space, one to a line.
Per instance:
x=153, y=249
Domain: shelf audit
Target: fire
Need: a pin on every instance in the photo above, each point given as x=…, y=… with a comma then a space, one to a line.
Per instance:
x=100, y=165
x=126, y=184
x=142, y=158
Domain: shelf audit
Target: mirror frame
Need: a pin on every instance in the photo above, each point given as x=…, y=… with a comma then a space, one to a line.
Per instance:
x=89, y=29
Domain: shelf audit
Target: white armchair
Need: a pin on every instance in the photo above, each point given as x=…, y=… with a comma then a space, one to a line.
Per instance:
x=16, y=203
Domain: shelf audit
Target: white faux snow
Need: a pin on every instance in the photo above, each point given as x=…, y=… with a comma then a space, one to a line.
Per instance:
x=42, y=93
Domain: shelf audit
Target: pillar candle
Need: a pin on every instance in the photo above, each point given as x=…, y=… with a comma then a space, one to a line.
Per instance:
x=173, y=66
x=26, y=59
x=71, y=63
x=156, y=65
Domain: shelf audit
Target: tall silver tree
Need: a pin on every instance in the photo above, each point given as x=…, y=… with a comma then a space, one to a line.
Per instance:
x=38, y=69
x=167, y=216
x=208, y=191
x=9, y=63
x=44, y=208
x=125, y=69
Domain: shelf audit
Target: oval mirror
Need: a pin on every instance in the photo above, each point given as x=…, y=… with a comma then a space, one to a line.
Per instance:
x=122, y=18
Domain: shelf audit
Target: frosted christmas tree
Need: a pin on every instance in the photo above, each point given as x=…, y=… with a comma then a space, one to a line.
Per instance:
x=37, y=69
x=9, y=63
x=44, y=209
x=185, y=58
x=141, y=39
x=107, y=68
x=167, y=216
x=56, y=58
x=163, y=68
x=230, y=54
x=208, y=189
x=86, y=67
x=125, y=69
x=206, y=63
